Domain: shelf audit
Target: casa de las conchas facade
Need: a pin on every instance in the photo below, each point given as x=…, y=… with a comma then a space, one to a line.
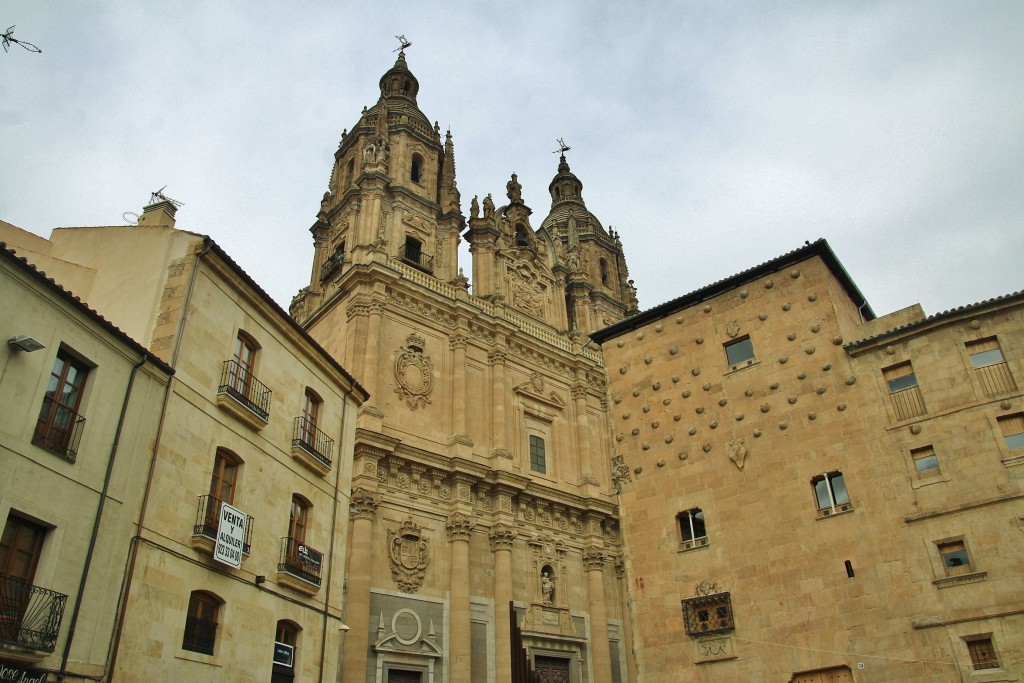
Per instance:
x=757, y=481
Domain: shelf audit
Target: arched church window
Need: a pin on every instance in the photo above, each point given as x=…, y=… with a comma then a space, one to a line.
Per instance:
x=604, y=272
x=558, y=192
x=416, y=172
x=350, y=172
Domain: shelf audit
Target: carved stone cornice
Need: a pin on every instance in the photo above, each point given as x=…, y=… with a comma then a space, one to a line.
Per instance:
x=364, y=504
x=459, y=527
x=593, y=558
x=502, y=537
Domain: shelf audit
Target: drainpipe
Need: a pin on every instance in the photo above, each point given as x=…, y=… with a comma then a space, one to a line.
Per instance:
x=330, y=550
x=96, y=523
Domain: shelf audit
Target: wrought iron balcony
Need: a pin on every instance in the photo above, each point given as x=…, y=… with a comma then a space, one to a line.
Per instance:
x=30, y=616
x=298, y=559
x=332, y=265
x=312, y=441
x=200, y=635
x=707, y=614
x=59, y=429
x=237, y=383
x=208, y=518
x=418, y=260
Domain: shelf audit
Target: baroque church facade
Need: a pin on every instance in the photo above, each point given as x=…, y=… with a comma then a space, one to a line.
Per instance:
x=481, y=480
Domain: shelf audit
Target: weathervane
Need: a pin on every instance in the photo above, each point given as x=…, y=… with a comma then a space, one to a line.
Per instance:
x=404, y=44
x=562, y=147
x=8, y=38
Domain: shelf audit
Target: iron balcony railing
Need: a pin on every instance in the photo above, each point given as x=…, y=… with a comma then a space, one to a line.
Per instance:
x=208, y=518
x=30, y=616
x=419, y=260
x=332, y=264
x=240, y=384
x=59, y=429
x=309, y=438
x=200, y=635
x=300, y=560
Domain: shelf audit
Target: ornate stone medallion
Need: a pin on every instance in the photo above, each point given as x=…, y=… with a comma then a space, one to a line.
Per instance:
x=409, y=555
x=414, y=372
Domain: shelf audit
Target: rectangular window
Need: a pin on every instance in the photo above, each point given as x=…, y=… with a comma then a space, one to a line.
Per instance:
x=925, y=461
x=830, y=492
x=707, y=614
x=990, y=368
x=1012, y=427
x=692, y=529
x=58, y=428
x=983, y=654
x=739, y=353
x=538, y=459
x=20, y=547
x=955, y=559
x=904, y=392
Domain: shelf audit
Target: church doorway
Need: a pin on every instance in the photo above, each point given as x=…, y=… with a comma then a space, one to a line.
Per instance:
x=551, y=669
x=400, y=676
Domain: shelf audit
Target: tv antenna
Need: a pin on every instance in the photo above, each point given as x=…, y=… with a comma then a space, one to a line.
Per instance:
x=404, y=44
x=562, y=147
x=159, y=195
x=8, y=38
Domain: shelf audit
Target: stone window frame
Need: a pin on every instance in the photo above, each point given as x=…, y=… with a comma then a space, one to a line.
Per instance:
x=539, y=425
x=835, y=508
x=946, y=575
x=981, y=651
x=745, y=361
x=684, y=523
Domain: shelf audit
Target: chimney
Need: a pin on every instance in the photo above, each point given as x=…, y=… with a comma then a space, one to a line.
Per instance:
x=158, y=213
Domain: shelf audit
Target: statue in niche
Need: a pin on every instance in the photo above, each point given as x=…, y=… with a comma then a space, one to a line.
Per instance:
x=474, y=208
x=514, y=189
x=488, y=206
x=547, y=586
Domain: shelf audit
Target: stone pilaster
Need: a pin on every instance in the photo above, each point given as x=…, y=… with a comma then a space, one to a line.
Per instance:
x=496, y=358
x=502, y=538
x=357, y=610
x=584, y=456
x=594, y=563
x=460, y=646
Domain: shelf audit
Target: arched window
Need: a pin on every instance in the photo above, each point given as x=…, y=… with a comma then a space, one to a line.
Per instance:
x=521, y=240
x=298, y=518
x=222, y=485
x=243, y=364
x=286, y=640
x=604, y=272
x=413, y=250
x=311, y=403
x=201, y=622
x=416, y=172
x=350, y=173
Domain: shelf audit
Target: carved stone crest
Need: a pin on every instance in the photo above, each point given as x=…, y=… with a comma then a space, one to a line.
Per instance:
x=414, y=372
x=738, y=452
x=408, y=554
x=707, y=588
x=527, y=292
x=733, y=328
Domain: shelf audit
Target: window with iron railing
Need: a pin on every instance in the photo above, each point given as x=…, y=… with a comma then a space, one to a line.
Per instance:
x=208, y=519
x=201, y=623
x=30, y=616
x=708, y=614
x=239, y=383
x=298, y=559
x=312, y=440
x=59, y=426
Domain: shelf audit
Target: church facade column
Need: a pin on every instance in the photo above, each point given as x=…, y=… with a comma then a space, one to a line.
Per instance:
x=375, y=310
x=496, y=357
x=601, y=658
x=457, y=342
x=460, y=645
x=357, y=609
x=583, y=456
x=502, y=537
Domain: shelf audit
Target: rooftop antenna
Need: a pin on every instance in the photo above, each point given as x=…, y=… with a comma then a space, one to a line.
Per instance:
x=562, y=147
x=404, y=44
x=8, y=38
x=159, y=195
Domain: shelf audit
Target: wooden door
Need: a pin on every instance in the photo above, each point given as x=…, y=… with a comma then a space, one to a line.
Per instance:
x=551, y=669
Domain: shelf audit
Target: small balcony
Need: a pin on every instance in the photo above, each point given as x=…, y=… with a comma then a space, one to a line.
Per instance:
x=58, y=430
x=331, y=266
x=907, y=403
x=244, y=396
x=300, y=566
x=708, y=614
x=418, y=260
x=30, y=616
x=311, y=447
x=204, y=533
x=995, y=379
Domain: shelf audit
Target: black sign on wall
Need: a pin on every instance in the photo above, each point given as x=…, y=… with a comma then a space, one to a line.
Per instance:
x=12, y=671
x=284, y=654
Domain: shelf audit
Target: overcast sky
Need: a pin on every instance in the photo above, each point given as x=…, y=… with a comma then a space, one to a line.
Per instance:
x=712, y=135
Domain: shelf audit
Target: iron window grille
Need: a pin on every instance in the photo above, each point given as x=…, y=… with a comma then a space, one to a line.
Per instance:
x=200, y=635
x=30, y=616
x=708, y=614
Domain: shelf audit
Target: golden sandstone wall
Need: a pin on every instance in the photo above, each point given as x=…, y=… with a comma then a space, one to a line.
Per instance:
x=744, y=447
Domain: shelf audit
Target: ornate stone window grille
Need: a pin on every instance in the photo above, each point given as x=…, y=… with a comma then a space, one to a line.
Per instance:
x=708, y=614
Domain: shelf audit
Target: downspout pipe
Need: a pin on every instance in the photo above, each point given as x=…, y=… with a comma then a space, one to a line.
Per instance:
x=96, y=523
x=334, y=533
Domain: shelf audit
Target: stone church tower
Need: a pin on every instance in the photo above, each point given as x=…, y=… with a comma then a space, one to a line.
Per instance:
x=482, y=458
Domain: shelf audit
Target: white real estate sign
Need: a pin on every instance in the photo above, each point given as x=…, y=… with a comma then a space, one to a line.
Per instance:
x=230, y=536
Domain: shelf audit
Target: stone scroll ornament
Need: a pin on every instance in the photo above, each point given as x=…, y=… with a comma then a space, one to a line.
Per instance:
x=408, y=555
x=414, y=372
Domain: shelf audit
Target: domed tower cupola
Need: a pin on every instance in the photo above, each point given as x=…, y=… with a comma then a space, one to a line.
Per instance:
x=565, y=187
x=399, y=81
